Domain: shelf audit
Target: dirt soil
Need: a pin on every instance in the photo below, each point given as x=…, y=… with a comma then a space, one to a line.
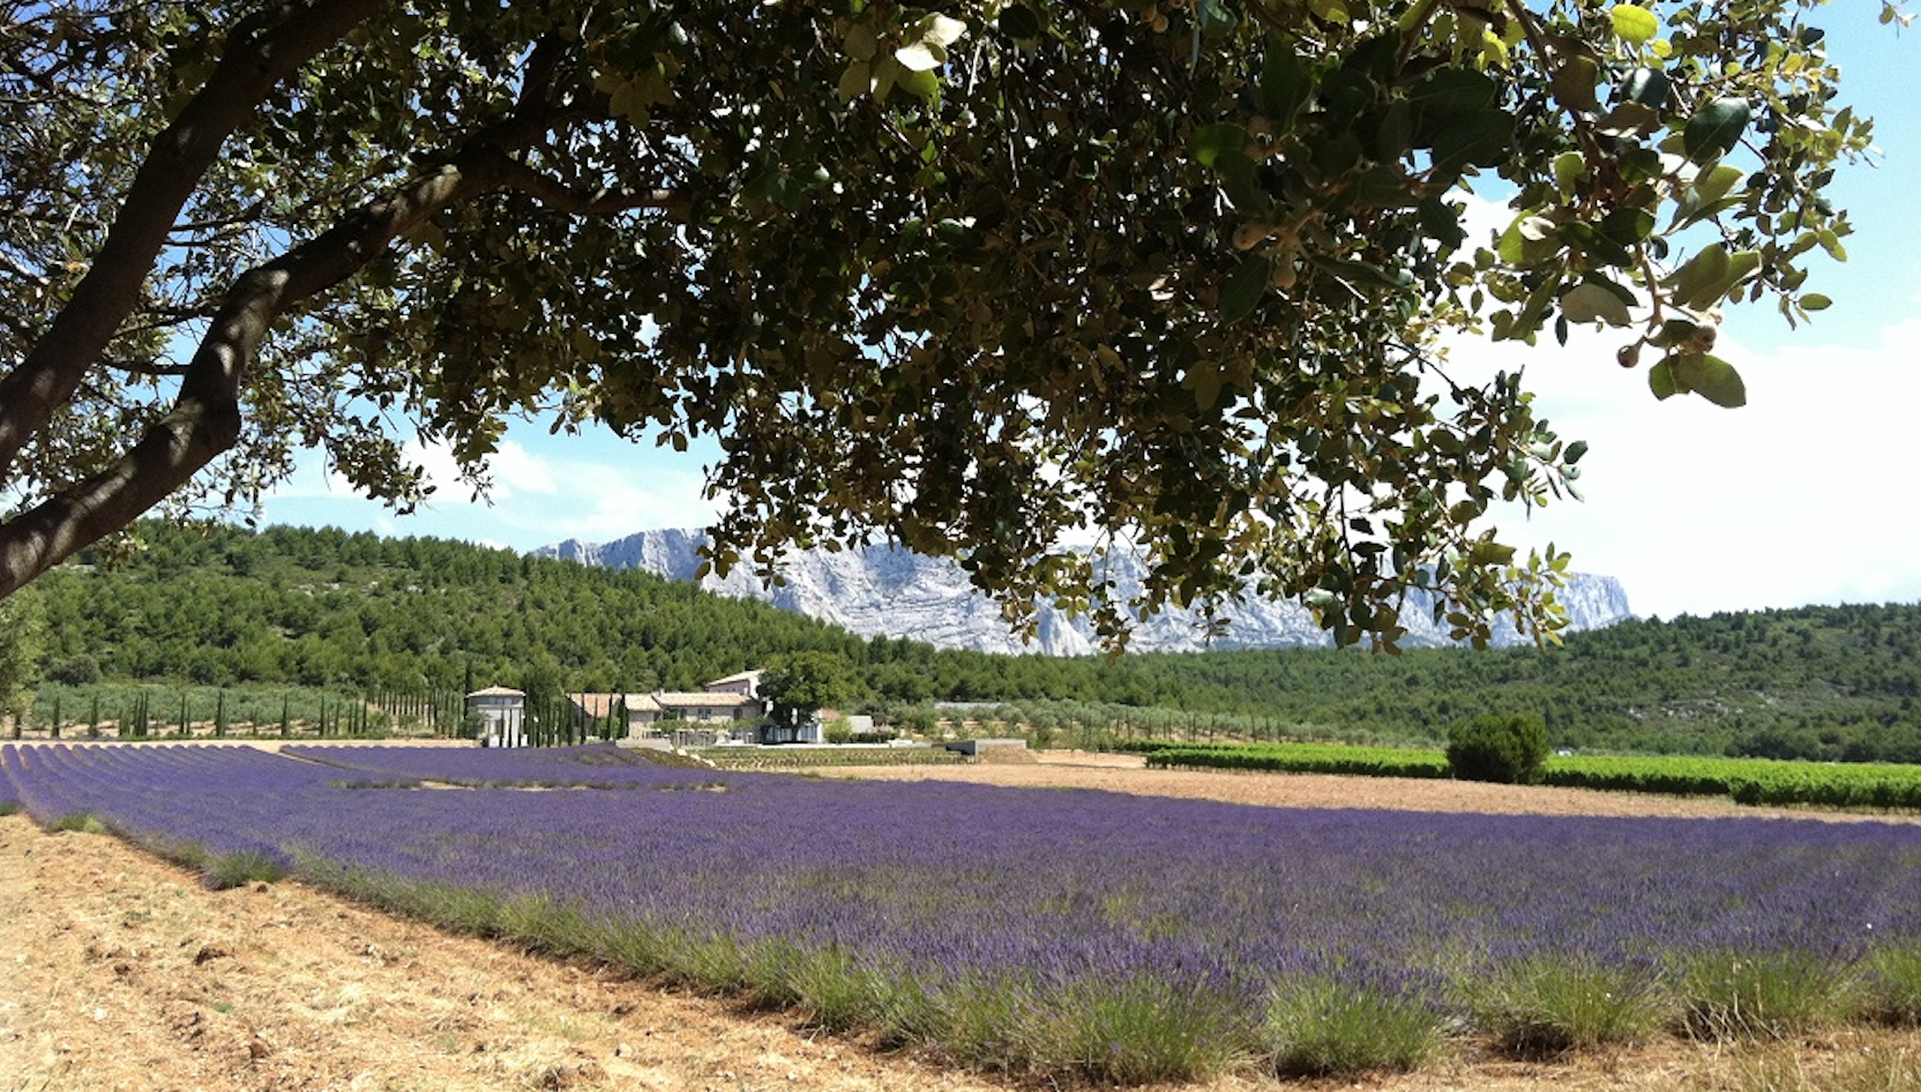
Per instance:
x=121, y=972
x=1129, y=773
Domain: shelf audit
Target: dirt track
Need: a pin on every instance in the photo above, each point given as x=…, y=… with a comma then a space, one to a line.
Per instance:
x=1129, y=773
x=118, y=971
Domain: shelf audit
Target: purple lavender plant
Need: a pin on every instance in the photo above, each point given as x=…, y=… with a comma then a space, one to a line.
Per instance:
x=941, y=901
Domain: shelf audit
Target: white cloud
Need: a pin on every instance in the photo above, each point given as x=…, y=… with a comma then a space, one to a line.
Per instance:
x=515, y=469
x=544, y=489
x=1798, y=497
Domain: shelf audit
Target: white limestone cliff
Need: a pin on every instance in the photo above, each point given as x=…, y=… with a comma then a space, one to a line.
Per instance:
x=885, y=590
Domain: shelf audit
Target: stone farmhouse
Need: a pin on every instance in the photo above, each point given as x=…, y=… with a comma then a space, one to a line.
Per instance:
x=722, y=704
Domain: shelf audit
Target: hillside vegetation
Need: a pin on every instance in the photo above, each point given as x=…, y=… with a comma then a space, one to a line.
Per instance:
x=323, y=608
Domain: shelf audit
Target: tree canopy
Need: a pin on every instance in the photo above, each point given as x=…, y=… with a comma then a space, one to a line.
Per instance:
x=982, y=278
x=799, y=685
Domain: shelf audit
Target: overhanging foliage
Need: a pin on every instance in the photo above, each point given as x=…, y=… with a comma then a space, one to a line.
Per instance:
x=979, y=279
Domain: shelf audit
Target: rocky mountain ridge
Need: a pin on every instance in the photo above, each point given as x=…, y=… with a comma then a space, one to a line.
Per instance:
x=891, y=591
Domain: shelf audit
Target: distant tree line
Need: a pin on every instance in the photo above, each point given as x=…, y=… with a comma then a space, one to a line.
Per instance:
x=357, y=613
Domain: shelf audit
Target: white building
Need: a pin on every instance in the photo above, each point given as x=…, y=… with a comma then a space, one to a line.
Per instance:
x=505, y=711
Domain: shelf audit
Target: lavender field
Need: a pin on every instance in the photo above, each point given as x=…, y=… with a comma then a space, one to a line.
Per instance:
x=1127, y=937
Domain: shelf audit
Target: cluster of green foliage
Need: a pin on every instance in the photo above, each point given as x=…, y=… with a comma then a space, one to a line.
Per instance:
x=1509, y=749
x=1744, y=780
x=1747, y=781
x=798, y=685
x=978, y=279
x=134, y=710
x=1325, y=758
x=22, y=627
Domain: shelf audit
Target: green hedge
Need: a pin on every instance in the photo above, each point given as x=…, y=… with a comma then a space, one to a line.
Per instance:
x=1333, y=758
x=1745, y=780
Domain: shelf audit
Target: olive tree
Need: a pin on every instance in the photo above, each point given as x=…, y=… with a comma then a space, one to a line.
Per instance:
x=982, y=278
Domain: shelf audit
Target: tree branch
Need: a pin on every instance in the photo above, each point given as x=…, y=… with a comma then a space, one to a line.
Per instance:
x=550, y=191
x=205, y=418
x=259, y=55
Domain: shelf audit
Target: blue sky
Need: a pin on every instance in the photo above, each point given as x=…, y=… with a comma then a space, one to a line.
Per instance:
x=1806, y=495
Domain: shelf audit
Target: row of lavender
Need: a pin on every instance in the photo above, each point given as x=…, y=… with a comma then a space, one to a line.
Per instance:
x=975, y=914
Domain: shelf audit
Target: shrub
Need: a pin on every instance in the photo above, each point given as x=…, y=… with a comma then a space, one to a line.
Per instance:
x=79, y=822
x=1759, y=997
x=81, y=670
x=1508, y=749
x=1142, y=1032
x=245, y=867
x=1547, y=1007
x=1893, y=989
x=838, y=730
x=1329, y=1029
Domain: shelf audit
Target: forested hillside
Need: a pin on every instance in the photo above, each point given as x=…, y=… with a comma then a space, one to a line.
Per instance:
x=327, y=608
x=323, y=608
x=1832, y=683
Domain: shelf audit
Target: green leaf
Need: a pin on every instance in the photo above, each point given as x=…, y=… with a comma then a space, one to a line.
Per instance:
x=861, y=42
x=920, y=56
x=1646, y=87
x=1627, y=226
x=1633, y=23
x=1574, y=84
x=1245, y=286
x=1485, y=552
x=1715, y=129
x=1661, y=381
x=1569, y=167
x=1445, y=99
x=1364, y=277
x=855, y=81
x=926, y=85
x=1019, y=22
x=1592, y=302
x=1700, y=274
x=1715, y=184
x=941, y=30
x=1216, y=19
x=1480, y=140
x=1441, y=222
x=1712, y=274
x=1815, y=301
x=1211, y=142
x=1286, y=84
x=1708, y=196
x=1530, y=239
x=1204, y=380
x=1240, y=185
x=1710, y=377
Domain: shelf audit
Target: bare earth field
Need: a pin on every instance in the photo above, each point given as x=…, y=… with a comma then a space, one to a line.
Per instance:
x=118, y=971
